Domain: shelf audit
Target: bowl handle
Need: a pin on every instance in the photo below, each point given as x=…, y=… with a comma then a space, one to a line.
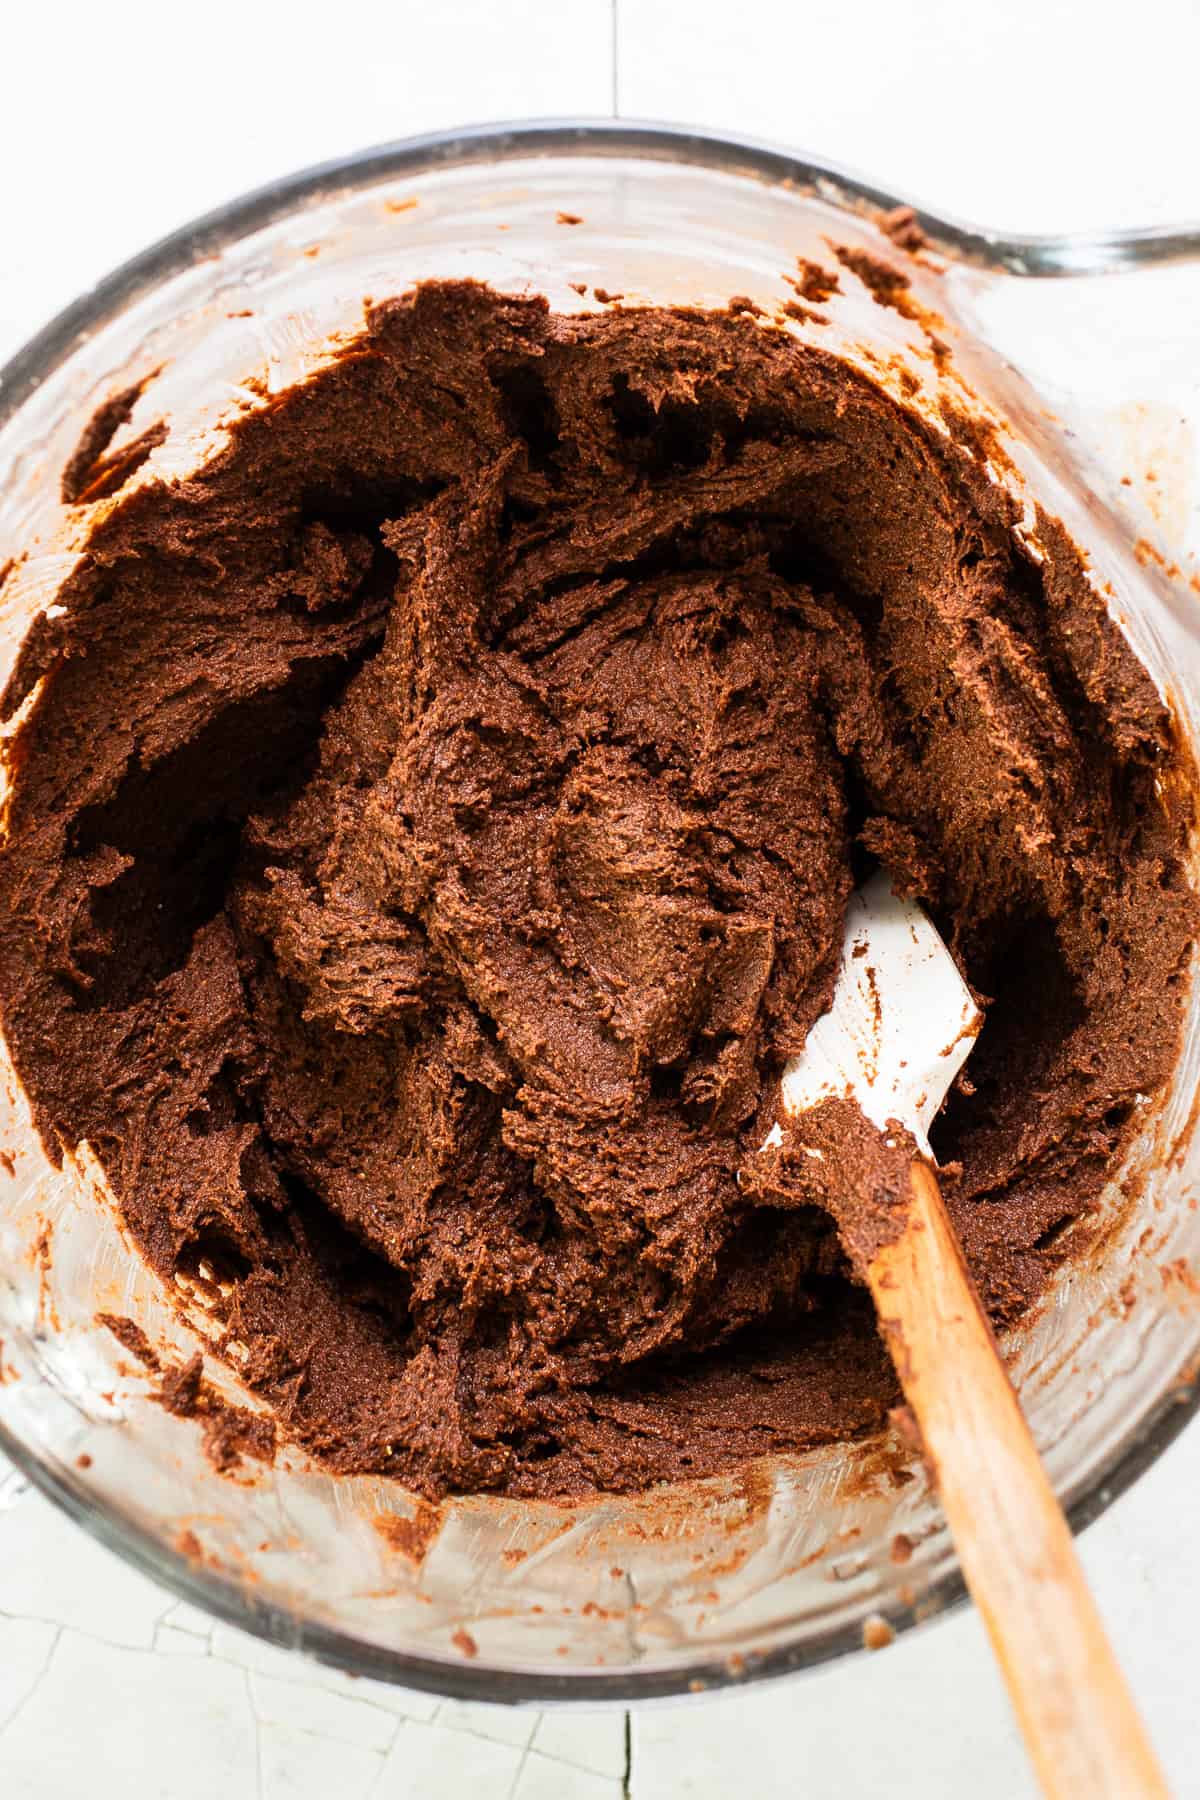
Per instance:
x=1104, y=328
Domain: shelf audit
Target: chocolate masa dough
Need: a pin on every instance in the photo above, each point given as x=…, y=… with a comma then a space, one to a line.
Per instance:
x=433, y=833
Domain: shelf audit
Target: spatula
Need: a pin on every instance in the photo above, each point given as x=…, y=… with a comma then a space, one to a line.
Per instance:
x=901, y=1025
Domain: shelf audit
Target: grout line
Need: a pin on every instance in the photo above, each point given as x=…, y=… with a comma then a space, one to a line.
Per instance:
x=383, y=1763
x=520, y=1770
x=627, y=1772
x=565, y=1762
x=38, y=1679
x=82, y=1631
x=256, y=1721
x=616, y=89
x=481, y=1737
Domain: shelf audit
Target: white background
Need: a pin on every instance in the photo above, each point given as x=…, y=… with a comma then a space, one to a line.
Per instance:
x=119, y=122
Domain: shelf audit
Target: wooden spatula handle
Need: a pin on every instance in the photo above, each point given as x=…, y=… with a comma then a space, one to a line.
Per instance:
x=1078, y=1716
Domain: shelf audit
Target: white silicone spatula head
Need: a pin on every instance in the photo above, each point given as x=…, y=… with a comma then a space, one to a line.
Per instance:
x=901, y=1024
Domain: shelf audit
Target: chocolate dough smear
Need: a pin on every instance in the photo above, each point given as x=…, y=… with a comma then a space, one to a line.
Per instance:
x=432, y=835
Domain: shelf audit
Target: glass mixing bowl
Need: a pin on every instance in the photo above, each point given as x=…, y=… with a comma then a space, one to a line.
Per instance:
x=784, y=1564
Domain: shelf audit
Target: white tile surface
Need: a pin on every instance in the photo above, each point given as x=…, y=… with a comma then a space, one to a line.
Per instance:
x=142, y=1723
x=253, y=1655
x=293, y=1764
x=432, y=1762
x=302, y=1707
x=544, y=1780
x=140, y=128
x=25, y=1649
x=168, y=1641
x=591, y=1741
x=1035, y=114
x=501, y=1724
x=188, y=1619
x=50, y=1570
x=1016, y=115
x=951, y=1737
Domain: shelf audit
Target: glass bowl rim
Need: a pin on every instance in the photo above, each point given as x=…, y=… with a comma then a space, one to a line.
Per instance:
x=1047, y=256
